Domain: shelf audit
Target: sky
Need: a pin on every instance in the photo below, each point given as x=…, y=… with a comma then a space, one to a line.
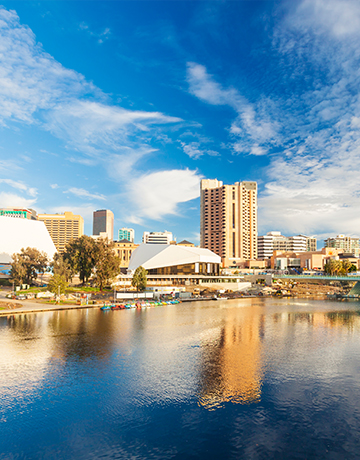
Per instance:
x=127, y=105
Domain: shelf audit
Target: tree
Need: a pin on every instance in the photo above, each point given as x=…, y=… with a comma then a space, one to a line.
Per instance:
x=18, y=270
x=57, y=281
x=61, y=266
x=346, y=266
x=107, y=263
x=333, y=267
x=27, y=264
x=139, y=279
x=80, y=255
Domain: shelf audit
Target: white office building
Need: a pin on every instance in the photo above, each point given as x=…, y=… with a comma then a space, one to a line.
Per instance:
x=157, y=237
x=275, y=241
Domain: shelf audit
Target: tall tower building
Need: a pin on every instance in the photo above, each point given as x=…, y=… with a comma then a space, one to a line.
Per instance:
x=63, y=228
x=103, y=223
x=228, y=220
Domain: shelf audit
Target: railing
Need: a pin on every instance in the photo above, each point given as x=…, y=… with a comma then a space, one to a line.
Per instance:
x=327, y=277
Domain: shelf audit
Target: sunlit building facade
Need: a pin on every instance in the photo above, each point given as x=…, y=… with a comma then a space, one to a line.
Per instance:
x=63, y=228
x=228, y=220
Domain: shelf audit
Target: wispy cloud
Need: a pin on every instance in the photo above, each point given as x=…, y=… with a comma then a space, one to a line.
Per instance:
x=312, y=131
x=36, y=89
x=253, y=131
x=100, y=36
x=82, y=193
x=31, y=191
x=195, y=151
x=314, y=185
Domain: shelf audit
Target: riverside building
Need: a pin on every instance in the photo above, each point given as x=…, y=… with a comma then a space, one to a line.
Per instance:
x=275, y=241
x=348, y=244
x=63, y=228
x=228, y=220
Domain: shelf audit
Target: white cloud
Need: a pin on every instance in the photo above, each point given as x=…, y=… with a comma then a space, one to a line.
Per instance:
x=194, y=150
x=31, y=191
x=11, y=200
x=157, y=194
x=339, y=17
x=36, y=89
x=82, y=193
x=314, y=185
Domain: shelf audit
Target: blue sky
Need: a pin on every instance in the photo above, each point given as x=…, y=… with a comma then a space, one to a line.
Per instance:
x=126, y=105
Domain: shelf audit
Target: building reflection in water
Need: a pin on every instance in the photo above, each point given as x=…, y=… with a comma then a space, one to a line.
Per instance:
x=231, y=368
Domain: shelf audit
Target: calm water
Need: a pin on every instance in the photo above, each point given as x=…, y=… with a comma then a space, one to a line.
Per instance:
x=254, y=379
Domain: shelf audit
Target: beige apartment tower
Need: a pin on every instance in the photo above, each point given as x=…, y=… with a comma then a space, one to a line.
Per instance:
x=228, y=220
x=63, y=228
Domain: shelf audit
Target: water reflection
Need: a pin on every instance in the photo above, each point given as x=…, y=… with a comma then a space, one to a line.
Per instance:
x=231, y=366
x=266, y=373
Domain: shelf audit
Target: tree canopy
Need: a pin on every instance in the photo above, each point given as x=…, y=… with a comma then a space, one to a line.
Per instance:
x=338, y=267
x=57, y=281
x=89, y=257
x=139, y=279
x=80, y=256
x=107, y=263
x=27, y=264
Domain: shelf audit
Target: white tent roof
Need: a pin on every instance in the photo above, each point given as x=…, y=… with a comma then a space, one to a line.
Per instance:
x=16, y=233
x=152, y=256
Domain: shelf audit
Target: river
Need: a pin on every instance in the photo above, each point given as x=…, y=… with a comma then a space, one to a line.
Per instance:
x=246, y=378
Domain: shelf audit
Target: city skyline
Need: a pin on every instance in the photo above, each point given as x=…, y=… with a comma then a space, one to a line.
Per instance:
x=127, y=106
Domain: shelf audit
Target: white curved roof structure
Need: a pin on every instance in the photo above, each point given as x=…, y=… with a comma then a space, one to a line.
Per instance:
x=16, y=234
x=151, y=256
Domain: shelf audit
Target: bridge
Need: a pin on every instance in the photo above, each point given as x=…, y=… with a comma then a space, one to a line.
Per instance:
x=319, y=277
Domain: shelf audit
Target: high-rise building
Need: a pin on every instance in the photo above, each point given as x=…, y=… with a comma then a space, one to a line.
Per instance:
x=275, y=241
x=22, y=213
x=63, y=228
x=103, y=223
x=157, y=237
x=228, y=220
x=350, y=245
x=126, y=234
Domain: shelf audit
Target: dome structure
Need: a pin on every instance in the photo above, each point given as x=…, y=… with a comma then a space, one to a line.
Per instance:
x=16, y=233
x=172, y=259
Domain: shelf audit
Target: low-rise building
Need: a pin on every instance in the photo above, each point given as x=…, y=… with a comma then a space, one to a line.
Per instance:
x=124, y=249
x=315, y=260
x=186, y=243
x=157, y=238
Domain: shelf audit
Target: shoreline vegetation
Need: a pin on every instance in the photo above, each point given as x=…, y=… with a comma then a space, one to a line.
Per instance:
x=11, y=307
